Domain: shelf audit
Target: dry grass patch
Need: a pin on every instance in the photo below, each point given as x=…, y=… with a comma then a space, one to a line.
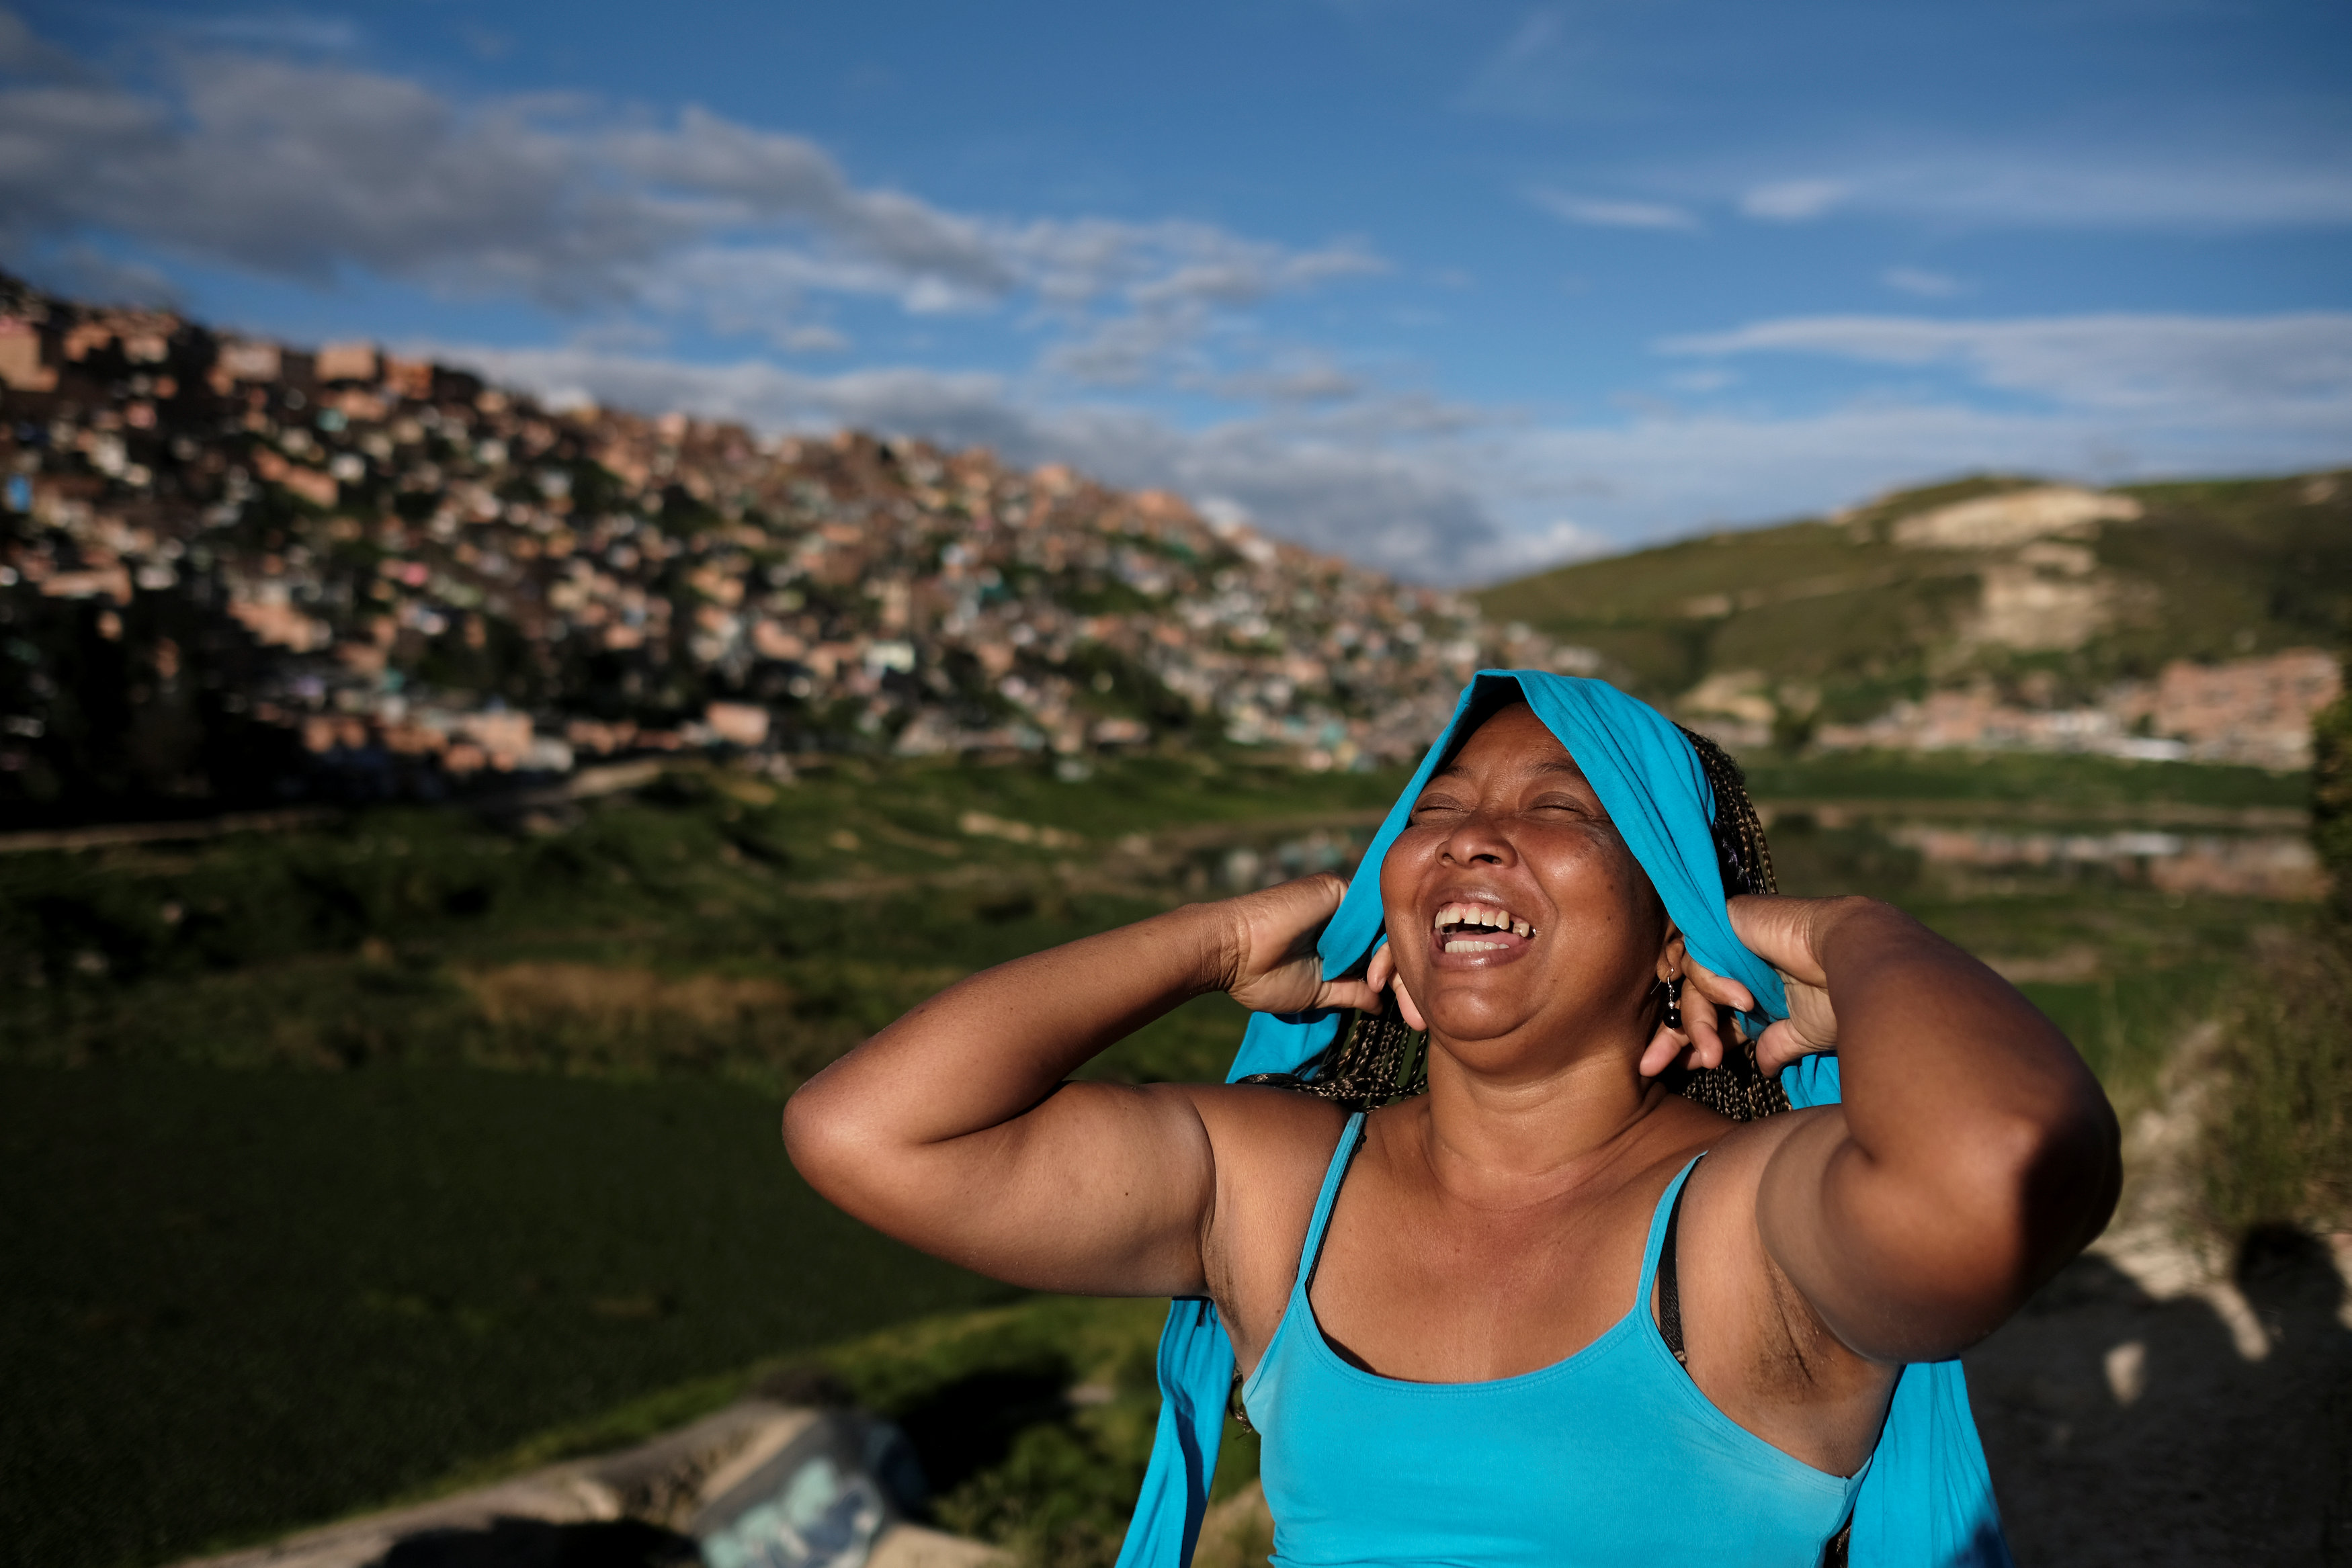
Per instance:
x=539, y=996
x=595, y=1017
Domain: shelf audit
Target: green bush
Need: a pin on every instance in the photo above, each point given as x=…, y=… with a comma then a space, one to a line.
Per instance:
x=2331, y=795
x=2279, y=1145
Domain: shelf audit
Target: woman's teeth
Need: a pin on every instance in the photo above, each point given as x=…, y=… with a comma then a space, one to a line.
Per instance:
x=1456, y=920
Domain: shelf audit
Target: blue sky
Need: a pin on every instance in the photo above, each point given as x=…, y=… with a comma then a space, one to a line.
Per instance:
x=1459, y=289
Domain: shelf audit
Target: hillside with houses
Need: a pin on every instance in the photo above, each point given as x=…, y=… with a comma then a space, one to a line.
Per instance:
x=233, y=570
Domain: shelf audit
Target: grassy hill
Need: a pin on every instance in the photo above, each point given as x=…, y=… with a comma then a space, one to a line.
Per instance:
x=1856, y=610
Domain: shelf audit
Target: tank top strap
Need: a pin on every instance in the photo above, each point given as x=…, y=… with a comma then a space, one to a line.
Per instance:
x=1652, y=1250
x=1310, y=1252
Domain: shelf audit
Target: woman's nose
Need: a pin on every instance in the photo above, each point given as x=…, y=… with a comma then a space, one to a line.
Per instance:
x=1478, y=837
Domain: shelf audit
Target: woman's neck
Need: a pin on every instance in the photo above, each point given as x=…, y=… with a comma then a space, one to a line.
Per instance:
x=1495, y=1141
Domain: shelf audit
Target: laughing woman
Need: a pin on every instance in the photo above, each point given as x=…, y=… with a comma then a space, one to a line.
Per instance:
x=1579, y=1286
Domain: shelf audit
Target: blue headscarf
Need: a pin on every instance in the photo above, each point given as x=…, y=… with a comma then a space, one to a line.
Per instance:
x=1928, y=1500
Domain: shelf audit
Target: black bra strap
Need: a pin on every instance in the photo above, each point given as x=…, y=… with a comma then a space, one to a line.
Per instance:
x=1346, y=1160
x=1670, y=1329
x=1670, y=1299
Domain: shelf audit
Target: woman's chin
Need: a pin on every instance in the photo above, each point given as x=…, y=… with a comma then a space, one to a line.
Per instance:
x=1478, y=1027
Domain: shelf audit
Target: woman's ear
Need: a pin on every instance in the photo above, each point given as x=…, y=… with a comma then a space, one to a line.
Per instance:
x=1381, y=972
x=1406, y=1007
x=1673, y=956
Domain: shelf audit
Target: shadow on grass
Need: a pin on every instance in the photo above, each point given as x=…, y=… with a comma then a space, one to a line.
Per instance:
x=969, y=1425
x=532, y=1543
x=2123, y=1428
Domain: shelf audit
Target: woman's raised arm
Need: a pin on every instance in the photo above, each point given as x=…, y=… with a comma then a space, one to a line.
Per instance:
x=953, y=1130
x=1973, y=1155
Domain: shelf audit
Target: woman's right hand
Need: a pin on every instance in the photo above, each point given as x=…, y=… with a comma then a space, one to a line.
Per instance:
x=957, y=1129
x=1788, y=934
x=1271, y=965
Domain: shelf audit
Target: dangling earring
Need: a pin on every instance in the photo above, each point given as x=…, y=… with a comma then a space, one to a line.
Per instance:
x=1672, y=1016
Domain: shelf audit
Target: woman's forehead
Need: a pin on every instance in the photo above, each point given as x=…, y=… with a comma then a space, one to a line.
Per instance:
x=1512, y=741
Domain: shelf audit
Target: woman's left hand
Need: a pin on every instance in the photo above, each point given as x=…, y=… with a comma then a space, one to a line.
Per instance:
x=1786, y=933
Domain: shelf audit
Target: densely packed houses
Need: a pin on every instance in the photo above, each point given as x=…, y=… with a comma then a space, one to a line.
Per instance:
x=416, y=576
x=2256, y=712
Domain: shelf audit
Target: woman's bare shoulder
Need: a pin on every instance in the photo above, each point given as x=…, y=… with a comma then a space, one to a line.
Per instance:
x=1263, y=1131
x=1767, y=1132
x=1271, y=1147
x=1722, y=1223
x=1738, y=1152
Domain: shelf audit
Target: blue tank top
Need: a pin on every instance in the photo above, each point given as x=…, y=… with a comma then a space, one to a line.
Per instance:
x=1611, y=1456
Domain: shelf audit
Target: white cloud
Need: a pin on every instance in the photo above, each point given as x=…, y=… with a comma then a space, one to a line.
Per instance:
x=754, y=176
x=306, y=171
x=1601, y=212
x=1792, y=201
x=1520, y=76
x=276, y=29
x=84, y=272
x=1176, y=282
x=24, y=53
x=299, y=171
x=2222, y=368
x=2193, y=191
x=1923, y=282
x=1307, y=378
x=1127, y=351
x=1074, y=264
x=813, y=339
x=1536, y=550
x=2198, y=184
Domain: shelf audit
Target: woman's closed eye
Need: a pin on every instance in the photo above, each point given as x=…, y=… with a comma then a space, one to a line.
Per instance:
x=1556, y=803
x=1551, y=804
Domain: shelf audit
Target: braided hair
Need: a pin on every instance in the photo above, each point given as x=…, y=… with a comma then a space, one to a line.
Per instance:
x=1378, y=1058
x=1738, y=1088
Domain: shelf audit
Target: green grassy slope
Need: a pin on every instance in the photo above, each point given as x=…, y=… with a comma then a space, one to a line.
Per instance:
x=2215, y=570
x=715, y=923
x=242, y=1300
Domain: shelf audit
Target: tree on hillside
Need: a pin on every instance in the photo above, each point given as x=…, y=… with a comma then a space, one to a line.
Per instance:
x=2331, y=795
